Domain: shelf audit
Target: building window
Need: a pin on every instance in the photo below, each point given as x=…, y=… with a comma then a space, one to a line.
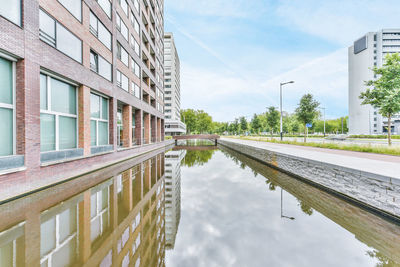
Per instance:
x=58, y=114
x=135, y=68
x=135, y=45
x=58, y=235
x=122, y=54
x=106, y=6
x=98, y=120
x=100, y=31
x=136, y=5
x=122, y=28
x=7, y=89
x=119, y=126
x=122, y=81
x=124, y=6
x=74, y=7
x=101, y=66
x=54, y=34
x=100, y=211
x=135, y=24
x=11, y=11
x=136, y=90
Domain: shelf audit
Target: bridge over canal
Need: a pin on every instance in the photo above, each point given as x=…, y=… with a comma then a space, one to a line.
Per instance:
x=213, y=137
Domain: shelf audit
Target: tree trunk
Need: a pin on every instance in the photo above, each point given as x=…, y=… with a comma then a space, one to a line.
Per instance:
x=305, y=133
x=390, y=130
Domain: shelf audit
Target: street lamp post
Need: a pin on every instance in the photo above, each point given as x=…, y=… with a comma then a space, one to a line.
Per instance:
x=281, y=84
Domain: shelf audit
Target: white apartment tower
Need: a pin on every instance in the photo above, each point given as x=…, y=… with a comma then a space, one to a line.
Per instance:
x=367, y=52
x=173, y=161
x=172, y=85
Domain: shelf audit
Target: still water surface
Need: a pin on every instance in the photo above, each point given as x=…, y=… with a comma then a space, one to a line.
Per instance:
x=194, y=207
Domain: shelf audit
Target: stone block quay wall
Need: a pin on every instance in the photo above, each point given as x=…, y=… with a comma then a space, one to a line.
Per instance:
x=376, y=193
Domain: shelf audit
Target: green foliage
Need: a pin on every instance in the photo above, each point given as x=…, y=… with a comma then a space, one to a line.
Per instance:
x=243, y=125
x=273, y=117
x=197, y=121
x=197, y=158
x=307, y=111
x=255, y=124
x=374, y=136
x=385, y=92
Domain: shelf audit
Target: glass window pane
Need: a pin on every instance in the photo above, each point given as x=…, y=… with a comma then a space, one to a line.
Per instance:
x=63, y=97
x=93, y=133
x=105, y=68
x=95, y=229
x=66, y=255
x=47, y=132
x=104, y=106
x=93, y=205
x=11, y=11
x=94, y=106
x=104, y=198
x=47, y=236
x=106, y=6
x=43, y=92
x=73, y=6
x=6, y=81
x=69, y=43
x=67, y=223
x=93, y=22
x=47, y=25
x=104, y=36
x=103, y=133
x=6, y=254
x=6, y=133
x=67, y=132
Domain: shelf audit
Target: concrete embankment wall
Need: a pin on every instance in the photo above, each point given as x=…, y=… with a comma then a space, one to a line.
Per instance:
x=379, y=194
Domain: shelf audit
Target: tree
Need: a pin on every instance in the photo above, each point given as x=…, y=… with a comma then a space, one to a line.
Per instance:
x=272, y=119
x=236, y=126
x=385, y=94
x=188, y=116
x=307, y=111
x=243, y=124
x=204, y=122
x=255, y=124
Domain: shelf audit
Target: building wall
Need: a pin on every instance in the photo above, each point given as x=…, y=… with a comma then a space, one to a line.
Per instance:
x=365, y=119
x=173, y=124
x=23, y=43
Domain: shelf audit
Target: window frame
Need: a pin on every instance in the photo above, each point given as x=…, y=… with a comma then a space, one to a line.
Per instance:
x=43, y=36
x=101, y=119
x=57, y=114
x=79, y=19
x=13, y=105
x=95, y=32
x=109, y=16
x=20, y=16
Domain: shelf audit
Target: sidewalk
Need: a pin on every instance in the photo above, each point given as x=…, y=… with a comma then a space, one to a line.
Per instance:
x=384, y=165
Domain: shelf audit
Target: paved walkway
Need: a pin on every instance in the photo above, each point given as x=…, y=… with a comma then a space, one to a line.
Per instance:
x=374, y=163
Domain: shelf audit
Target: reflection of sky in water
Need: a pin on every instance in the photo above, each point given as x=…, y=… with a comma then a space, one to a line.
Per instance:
x=231, y=218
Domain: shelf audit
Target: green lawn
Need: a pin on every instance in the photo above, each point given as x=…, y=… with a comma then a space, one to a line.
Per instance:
x=395, y=151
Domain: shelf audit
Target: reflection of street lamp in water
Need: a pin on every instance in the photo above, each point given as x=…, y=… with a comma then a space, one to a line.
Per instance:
x=283, y=216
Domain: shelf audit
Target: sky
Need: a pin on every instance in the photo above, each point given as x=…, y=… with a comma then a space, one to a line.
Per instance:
x=234, y=53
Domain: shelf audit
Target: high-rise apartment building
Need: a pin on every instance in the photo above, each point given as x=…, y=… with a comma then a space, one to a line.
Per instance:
x=81, y=83
x=172, y=83
x=173, y=161
x=367, y=52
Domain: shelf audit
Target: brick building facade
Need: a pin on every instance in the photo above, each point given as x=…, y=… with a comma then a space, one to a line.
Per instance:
x=81, y=85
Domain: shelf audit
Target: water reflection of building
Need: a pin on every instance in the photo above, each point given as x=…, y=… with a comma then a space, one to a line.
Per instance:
x=173, y=161
x=117, y=222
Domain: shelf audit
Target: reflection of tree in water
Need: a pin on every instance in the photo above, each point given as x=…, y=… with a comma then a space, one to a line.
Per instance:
x=197, y=158
x=383, y=260
x=305, y=208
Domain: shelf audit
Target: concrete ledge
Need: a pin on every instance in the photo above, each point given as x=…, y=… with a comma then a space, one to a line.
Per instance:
x=12, y=162
x=375, y=191
x=101, y=149
x=60, y=155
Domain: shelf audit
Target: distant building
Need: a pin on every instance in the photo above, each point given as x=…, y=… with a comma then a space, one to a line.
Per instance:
x=367, y=52
x=173, y=123
x=173, y=161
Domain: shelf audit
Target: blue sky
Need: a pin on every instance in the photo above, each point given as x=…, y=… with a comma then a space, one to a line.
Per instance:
x=234, y=53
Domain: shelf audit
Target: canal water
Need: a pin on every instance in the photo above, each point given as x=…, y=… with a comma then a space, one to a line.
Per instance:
x=197, y=206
